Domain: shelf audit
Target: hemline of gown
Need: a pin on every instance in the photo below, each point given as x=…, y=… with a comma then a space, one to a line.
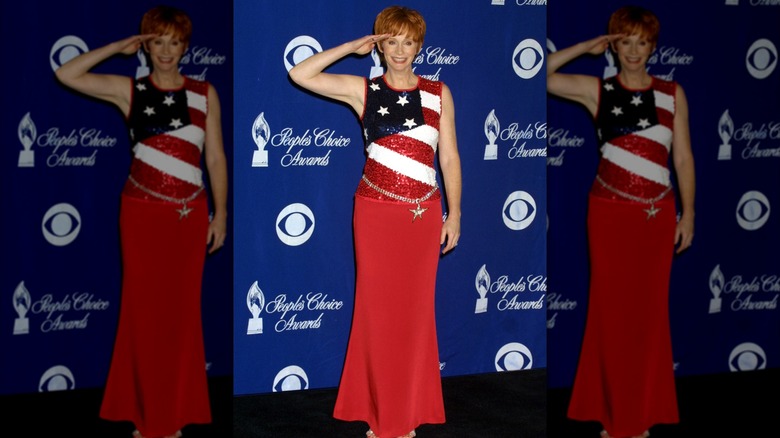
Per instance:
x=393, y=385
x=157, y=379
x=625, y=375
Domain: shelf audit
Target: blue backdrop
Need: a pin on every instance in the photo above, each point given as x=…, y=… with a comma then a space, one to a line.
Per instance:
x=724, y=289
x=64, y=162
x=298, y=159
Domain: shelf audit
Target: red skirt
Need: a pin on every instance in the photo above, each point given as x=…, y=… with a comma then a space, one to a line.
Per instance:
x=625, y=375
x=157, y=378
x=391, y=377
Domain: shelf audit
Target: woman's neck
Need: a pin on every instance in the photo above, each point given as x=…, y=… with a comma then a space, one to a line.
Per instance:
x=401, y=80
x=635, y=80
x=168, y=80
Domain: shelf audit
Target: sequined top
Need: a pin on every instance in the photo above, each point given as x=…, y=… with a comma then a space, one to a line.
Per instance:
x=168, y=129
x=635, y=128
x=401, y=131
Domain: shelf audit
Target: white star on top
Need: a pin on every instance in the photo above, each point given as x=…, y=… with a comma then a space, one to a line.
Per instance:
x=402, y=100
x=636, y=100
x=375, y=87
x=617, y=111
x=643, y=123
x=140, y=87
x=168, y=100
x=176, y=123
x=383, y=111
x=608, y=87
x=149, y=111
x=410, y=123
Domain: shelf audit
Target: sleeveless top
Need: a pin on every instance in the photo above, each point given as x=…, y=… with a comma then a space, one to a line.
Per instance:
x=401, y=131
x=168, y=130
x=635, y=129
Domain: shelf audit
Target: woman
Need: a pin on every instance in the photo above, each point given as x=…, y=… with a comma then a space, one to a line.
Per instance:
x=157, y=378
x=391, y=377
x=625, y=376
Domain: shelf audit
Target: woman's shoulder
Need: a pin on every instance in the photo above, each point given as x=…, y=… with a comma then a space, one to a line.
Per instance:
x=200, y=86
x=431, y=85
x=663, y=84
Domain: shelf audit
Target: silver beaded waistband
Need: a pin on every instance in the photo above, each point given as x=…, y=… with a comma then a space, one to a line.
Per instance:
x=165, y=197
x=630, y=196
x=399, y=197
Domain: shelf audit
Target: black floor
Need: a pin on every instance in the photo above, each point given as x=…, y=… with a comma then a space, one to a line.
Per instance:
x=495, y=405
x=737, y=405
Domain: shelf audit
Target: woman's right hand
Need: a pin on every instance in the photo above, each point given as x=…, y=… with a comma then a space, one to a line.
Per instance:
x=366, y=44
x=598, y=45
x=131, y=44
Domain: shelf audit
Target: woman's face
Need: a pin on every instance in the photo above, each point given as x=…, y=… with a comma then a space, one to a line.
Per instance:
x=399, y=51
x=165, y=52
x=633, y=52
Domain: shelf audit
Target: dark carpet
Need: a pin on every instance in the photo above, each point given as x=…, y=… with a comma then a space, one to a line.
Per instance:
x=495, y=405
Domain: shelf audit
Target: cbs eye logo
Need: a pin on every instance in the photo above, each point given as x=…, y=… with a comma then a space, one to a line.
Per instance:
x=527, y=58
x=752, y=210
x=519, y=210
x=300, y=48
x=747, y=357
x=295, y=224
x=761, y=58
x=65, y=49
x=57, y=378
x=514, y=356
x=61, y=224
x=291, y=378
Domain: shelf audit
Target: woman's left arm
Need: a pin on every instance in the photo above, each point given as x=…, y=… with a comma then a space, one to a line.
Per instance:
x=216, y=163
x=449, y=162
x=682, y=156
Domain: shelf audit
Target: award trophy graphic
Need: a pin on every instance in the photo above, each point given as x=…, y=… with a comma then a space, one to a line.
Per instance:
x=255, y=302
x=22, y=304
x=716, y=287
x=482, y=283
x=143, y=69
x=260, y=134
x=610, y=70
x=492, y=128
x=27, y=135
x=725, y=131
x=376, y=69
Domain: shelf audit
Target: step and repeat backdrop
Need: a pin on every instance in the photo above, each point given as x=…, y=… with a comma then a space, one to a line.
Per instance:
x=724, y=289
x=298, y=159
x=65, y=159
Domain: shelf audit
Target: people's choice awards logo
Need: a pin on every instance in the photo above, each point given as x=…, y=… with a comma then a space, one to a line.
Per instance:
x=513, y=357
x=528, y=58
x=291, y=378
x=482, y=284
x=300, y=48
x=295, y=224
x=57, y=378
x=27, y=135
x=22, y=302
x=753, y=210
x=260, y=134
x=747, y=357
x=761, y=58
x=255, y=302
x=726, y=132
x=492, y=131
x=65, y=49
x=519, y=210
x=61, y=224
x=717, y=281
